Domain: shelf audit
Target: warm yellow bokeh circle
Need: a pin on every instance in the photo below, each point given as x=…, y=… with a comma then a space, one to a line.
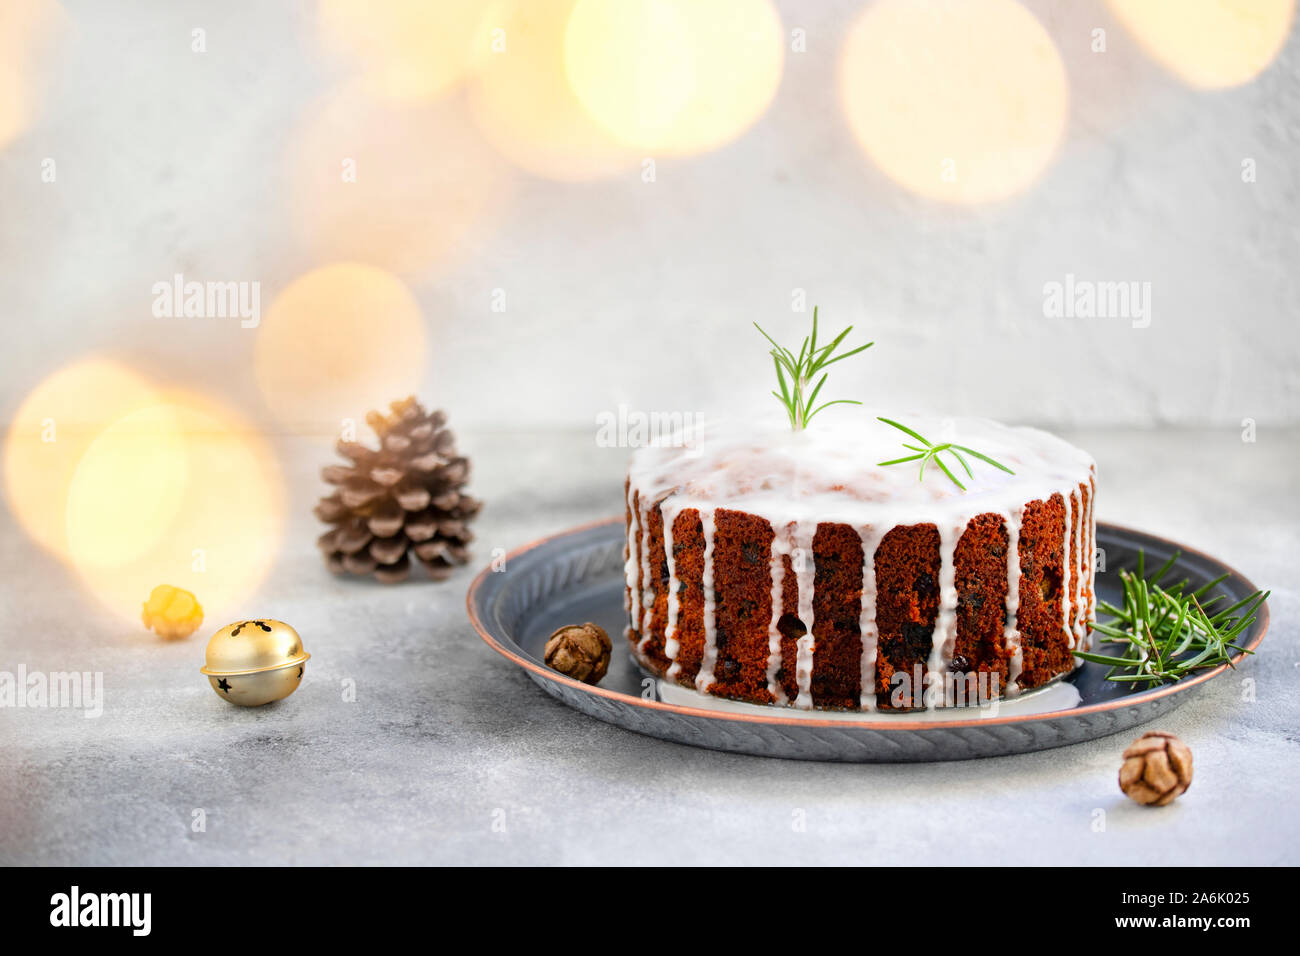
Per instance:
x=128, y=488
x=957, y=100
x=1209, y=43
x=674, y=76
x=337, y=341
x=52, y=430
x=27, y=28
x=14, y=109
x=181, y=492
x=521, y=100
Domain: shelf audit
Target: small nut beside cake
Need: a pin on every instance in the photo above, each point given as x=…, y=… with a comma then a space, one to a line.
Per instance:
x=580, y=651
x=1157, y=769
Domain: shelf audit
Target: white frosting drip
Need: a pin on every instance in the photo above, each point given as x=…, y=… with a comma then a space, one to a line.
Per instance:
x=631, y=565
x=829, y=474
x=944, y=637
x=1011, y=630
x=804, y=571
x=647, y=597
x=1081, y=543
x=709, y=660
x=871, y=538
x=1068, y=522
x=776, y=568
x=670, y=513
x=1091, y=565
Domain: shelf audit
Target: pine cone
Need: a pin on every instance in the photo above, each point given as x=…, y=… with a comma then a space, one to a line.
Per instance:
x=403, y=498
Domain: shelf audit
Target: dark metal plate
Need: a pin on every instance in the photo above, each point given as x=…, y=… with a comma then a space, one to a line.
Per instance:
x=577, y=576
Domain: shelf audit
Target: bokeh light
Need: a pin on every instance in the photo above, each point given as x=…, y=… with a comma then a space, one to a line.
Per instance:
x=338, y=341
x=50, y=432
x=181, y=493
x=406, y=50
x=522, y=102
x=674, y=76
x=398, y=187
x=127, y=488
x=1209, y=44
x=26, y=29
x=957, y=100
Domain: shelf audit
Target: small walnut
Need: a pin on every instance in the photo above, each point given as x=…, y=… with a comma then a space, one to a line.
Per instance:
x=580, y=651
x=1157, y=768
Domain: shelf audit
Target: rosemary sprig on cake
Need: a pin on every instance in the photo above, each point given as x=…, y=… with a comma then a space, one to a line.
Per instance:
x=932, y=452
x=1162, y=634
x=802, y=369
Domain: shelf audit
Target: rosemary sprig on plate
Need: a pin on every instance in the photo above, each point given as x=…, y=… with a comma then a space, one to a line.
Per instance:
x=1161, y=634
x=801, y=369
x=928, y=452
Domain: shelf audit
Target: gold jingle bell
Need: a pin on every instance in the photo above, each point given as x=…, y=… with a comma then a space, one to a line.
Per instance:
x=251, y=663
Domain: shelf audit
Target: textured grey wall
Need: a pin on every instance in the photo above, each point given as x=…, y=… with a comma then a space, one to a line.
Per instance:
x=622, y=291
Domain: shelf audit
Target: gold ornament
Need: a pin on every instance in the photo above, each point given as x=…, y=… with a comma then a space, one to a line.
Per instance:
x=251, y=663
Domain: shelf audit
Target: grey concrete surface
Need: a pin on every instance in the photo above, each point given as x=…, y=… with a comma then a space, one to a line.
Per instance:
x=450, y=755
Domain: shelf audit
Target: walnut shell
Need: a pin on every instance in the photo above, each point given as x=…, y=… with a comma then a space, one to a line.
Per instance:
x=581, y=651
x=1157, y=768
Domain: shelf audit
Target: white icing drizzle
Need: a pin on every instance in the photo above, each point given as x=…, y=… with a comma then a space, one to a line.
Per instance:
x=776, y=568
x=1092, y=607
x=804, y=570
x=670, y=510
x=944, y=636
x=828, y=474
x=632, y=565
x=1011, y=630
x=870, y=537
x=647, y=592
x=1092, y=561
x=1080, y=545
x=1068, y=521
x=709, y=659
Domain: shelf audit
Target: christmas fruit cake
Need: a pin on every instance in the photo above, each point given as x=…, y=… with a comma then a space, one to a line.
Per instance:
x=818, y=569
